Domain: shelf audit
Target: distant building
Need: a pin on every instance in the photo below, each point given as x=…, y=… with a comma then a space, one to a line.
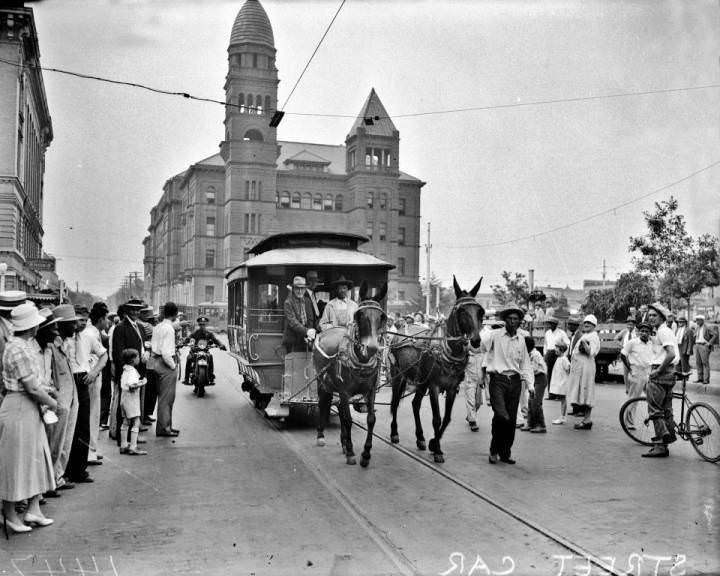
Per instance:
x=598, y=285
x=210, y=215
x=25, y=134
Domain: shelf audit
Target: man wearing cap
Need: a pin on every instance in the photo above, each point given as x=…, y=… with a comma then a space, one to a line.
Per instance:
x=637, y=356
x=9, y=300
x=685, y=337
x=661, y=382
x=340, y=311
x=553, y=336
x=705, y=339
x=508, y=367
x=127, y=335
x=202, y=333
x=60, y=435
x=299, y=331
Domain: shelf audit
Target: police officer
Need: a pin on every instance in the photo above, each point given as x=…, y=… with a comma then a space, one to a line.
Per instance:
x=202, y=333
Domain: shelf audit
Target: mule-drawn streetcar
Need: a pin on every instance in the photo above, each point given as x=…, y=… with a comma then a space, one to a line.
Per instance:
x=278, y=381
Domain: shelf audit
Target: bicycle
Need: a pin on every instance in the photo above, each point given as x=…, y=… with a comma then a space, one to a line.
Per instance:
x=700, y=426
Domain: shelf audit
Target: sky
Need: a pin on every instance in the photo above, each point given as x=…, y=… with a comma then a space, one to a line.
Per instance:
x=493, y=175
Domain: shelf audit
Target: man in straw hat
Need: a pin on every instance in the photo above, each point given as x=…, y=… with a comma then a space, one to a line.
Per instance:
x=508, y=366
x=340, y=311
x=661, y=382
x=9, y=300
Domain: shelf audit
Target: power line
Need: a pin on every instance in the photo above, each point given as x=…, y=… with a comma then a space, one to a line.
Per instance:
x=590, y=217
x=352, y=116
x=313, y=54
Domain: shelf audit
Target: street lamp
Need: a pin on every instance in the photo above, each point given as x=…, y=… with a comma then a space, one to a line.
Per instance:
x=3, y=271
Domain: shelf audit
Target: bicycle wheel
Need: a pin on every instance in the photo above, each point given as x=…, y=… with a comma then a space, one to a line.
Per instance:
x=635, y=422
x=702, y=425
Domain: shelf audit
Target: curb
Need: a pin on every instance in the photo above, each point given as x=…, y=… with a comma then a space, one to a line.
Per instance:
x=712, y=389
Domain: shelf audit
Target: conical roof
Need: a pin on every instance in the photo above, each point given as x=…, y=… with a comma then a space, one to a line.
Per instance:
x=252, y=25
x=382, y=124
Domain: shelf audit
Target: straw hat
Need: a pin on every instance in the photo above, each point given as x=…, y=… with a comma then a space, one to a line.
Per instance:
x=26, y=316
x=511, y=308
x=660, y=309
x=299, y=282
x=10, y=299
x=65, y=313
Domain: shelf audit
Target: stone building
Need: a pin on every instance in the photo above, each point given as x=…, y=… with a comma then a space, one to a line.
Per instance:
x=212, y=213
x=25, y=134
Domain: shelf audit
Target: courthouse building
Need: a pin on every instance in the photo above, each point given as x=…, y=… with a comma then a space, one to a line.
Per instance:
x=25, y=134
x=209, y=215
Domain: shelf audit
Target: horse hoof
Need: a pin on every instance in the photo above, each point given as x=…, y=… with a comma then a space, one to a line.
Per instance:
x=395, y=439
x=421, y=445
x=439, y=458
x=351, y=460
x=364, y=462
x=433, y=445
x=321, y=441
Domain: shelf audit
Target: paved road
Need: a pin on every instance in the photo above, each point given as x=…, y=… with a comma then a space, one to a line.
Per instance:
x=234, y=494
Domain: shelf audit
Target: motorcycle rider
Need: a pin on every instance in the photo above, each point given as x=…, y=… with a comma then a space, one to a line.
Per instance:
x=202, y=333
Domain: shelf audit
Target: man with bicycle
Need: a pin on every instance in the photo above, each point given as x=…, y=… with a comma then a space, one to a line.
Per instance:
x=662, y=381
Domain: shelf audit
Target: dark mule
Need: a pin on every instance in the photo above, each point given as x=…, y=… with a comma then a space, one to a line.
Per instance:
x=436, y=365
x=347, y=363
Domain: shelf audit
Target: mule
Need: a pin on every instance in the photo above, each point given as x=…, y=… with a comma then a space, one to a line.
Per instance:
x=346, y=362
x=436, y=365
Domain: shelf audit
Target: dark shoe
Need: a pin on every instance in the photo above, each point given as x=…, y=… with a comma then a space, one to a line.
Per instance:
x=175, y=430
x=669, y=438
x=136, y=452
x=473, y=426
x=52, y=494
x=539, y=430
x=657, y=452
x=583, y=426
x=87, y=479
x=94, y=463
x=507, y=460
x=124, y=450
x=493, y=458
x=144, y=428
x=167, y=434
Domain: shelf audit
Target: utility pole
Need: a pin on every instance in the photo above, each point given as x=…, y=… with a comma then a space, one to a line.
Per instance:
x=428, y=294
x=604, y=270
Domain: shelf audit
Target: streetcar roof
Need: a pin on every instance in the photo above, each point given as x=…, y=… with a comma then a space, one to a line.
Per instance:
x=311, y=257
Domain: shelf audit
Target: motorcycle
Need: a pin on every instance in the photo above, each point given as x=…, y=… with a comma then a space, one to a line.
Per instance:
x=200, y=376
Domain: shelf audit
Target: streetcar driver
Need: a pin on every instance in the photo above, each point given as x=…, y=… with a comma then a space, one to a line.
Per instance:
x=202, y=333
x=340, y=311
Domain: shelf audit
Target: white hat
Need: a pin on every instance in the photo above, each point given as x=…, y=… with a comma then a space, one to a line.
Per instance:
x=26, y=316
x=299, y=282
x=590, y=318
x=699, y=317
x=10, y=299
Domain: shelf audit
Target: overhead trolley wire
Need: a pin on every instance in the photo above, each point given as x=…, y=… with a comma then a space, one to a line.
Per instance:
x=586, y=218
x=407, y=115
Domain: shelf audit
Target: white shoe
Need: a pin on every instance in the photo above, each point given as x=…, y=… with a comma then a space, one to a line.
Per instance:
x=559, y=421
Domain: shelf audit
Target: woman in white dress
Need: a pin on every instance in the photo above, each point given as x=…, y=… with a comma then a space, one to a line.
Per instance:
x=581, y=384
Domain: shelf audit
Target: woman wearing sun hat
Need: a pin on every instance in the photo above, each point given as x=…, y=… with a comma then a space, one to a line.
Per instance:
x=581, y=383
x=26, y=469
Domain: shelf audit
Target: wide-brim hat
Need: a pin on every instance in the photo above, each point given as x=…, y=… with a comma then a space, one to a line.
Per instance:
x=26, y=316
x=11, y=299
x=660, y=309
x=49, y=317
x=552, y=319
x=340, y=281
x=591, y=319
x=135, y=304
x=510, y=308
x=65, y=313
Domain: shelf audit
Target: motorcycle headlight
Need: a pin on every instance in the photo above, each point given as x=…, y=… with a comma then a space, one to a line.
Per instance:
x=202, y=345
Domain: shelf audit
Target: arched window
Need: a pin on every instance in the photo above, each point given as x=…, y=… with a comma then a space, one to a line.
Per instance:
x=306, y=203
x=295, y=203
x=338, y=203
x=267, y=104
x=285, y=199
x=328, y=204
x=254, y=135
x=259, y=104
x=249, y=103
x=317, y=202
x=241, y=102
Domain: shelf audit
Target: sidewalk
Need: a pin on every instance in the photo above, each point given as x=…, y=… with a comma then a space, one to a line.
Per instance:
x=712, y=388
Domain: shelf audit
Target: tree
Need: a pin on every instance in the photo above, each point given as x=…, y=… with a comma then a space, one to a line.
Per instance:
x=515, y=291
x=700, y=269
x=632, y=290
x=601, y=303
x=667, y=243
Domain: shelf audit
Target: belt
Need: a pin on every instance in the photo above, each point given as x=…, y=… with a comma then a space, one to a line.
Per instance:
x=701, y=343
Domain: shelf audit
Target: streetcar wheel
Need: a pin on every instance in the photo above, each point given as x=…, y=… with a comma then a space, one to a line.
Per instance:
x=635, y=421
x=702, y=426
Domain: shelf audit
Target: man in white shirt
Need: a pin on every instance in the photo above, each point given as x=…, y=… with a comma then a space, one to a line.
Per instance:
x=661, y=381
x=553, y=336
x=508, y=367
x=637, y=356
x=164, y=362
x=705, y=338
x=340, y=311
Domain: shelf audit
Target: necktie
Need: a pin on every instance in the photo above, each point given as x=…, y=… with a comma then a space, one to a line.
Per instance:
x=303, y=315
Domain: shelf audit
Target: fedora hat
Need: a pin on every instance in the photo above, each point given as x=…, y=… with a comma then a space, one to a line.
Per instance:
x=26, y=316
x=65, y=313
x=134, y=303
x=11, y=298
x=49, y=317
x=660, y=309
x=342, y=280
x=510, y=308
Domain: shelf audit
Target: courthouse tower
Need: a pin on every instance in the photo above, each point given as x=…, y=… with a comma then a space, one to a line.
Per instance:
x=250, y=149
